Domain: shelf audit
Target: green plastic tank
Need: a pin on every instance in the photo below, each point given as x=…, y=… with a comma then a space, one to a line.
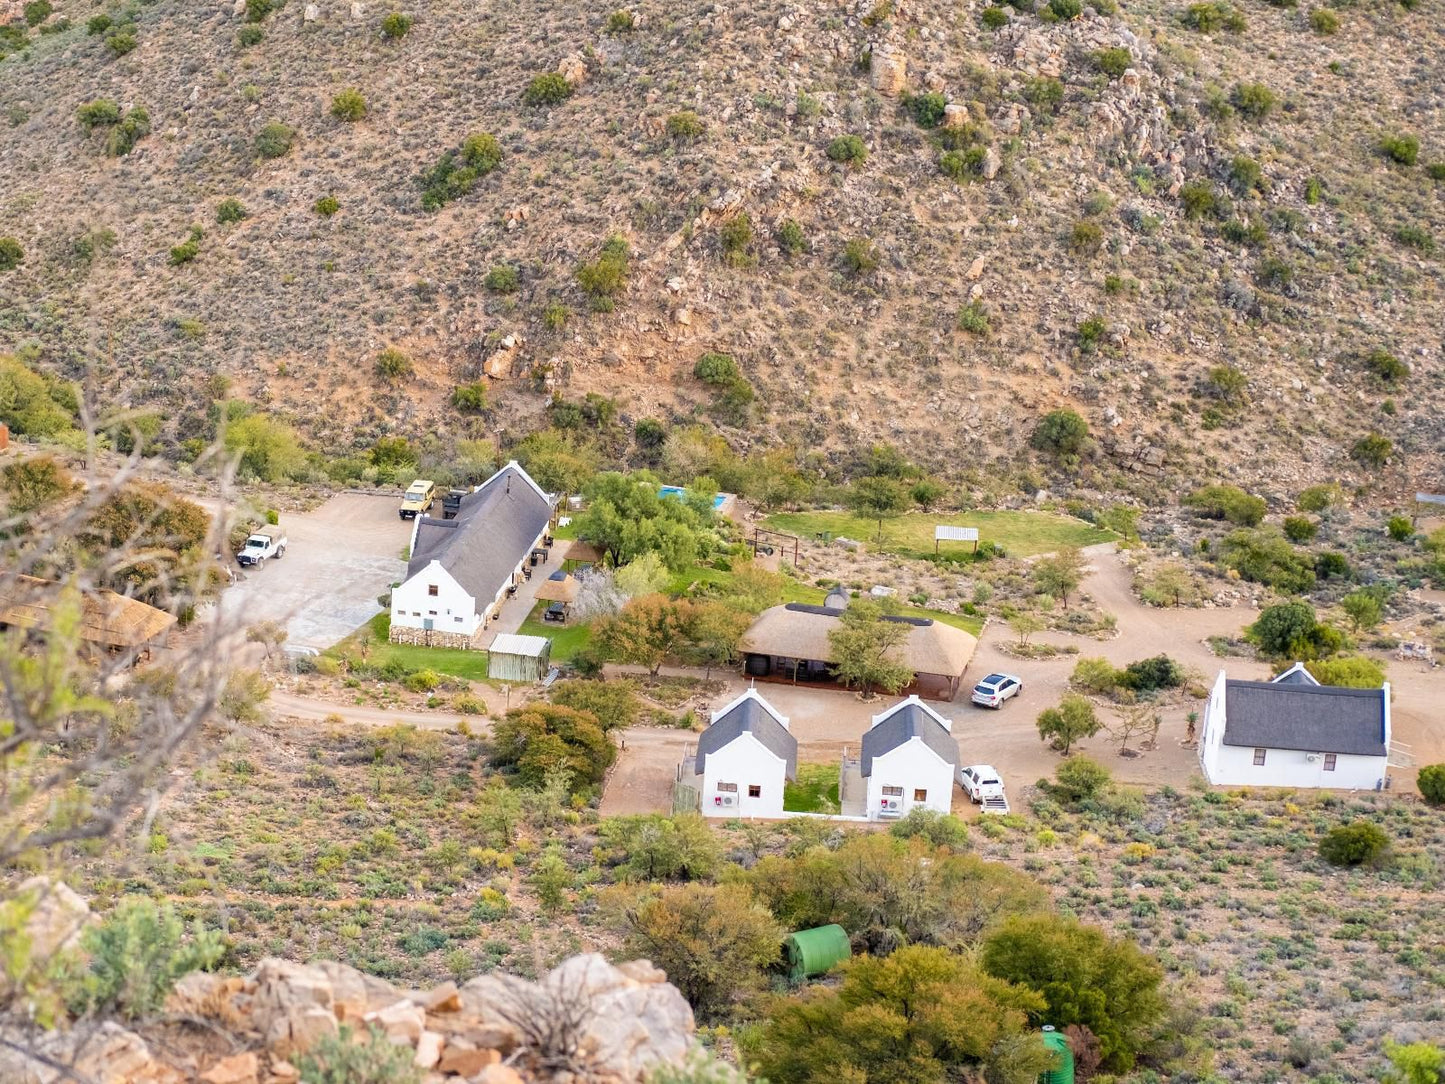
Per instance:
x=1063, y=1070
x=816, y=951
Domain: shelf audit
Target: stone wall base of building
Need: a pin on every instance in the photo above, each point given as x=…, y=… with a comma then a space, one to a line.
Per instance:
x=435, y=638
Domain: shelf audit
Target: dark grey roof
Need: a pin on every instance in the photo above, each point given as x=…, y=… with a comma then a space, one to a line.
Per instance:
x=907, y=722
x=1295, y=675
x=1311, y=718
x=750, y=717
x=494, y=531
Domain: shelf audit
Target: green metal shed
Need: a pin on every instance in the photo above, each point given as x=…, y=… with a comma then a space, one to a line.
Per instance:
x=518, y=658
x=816, y=951
x=1063, y=1067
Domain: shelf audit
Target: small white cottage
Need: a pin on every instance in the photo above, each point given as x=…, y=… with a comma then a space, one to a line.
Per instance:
x=744, y=758
x=1295, y=732
x=910, y=759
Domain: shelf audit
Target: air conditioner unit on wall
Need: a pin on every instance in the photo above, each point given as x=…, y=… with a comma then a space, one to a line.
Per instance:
x=729, y=799
x=1313, y=758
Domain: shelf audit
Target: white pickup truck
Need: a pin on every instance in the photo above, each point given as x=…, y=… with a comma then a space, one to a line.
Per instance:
x=261, y=545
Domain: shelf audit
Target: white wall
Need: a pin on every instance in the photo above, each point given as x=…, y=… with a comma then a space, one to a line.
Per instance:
x=744, y=761
x=911, y=766
x=411, y=604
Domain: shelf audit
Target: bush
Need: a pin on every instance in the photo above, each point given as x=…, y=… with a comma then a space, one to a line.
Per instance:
x=1212, y=16
x=735, y=235
x=1228, y=503
x=973, y=318
x=1399, y=528
x=11, y=254
x=326, y=206
x=1372, y=451
x=1324, y=21
x=36, y=12
x=1300, y=528
x=1385, y=366
x=1073, y=719
x=685, y=125
x=1066, y=9
x=1201, y=198
x=229, y=211
x=1147, y=675
x=1045, y=92
x=995, y=17
x=340, y=1059
x=849, y=149
x=939, y=829
x=458, y=171
x=1274, y=273
x=1357, y=843
x=97, y=24
x=257, y=10
x=965, y=165
x=1290, y=630
x=1403, y=150
x=503, y=279
x=1079, y=779
x=1431, y=782
x=1096, y=675
x=1062, y=433
x=1318, y=498
x=1113, y=62
x=274, y=139
x=1348, y=672
x=395, y=26
x=1332, y=566
x=136, y=954
x=860, y=257
x=926, y=109
x=248, y=36
x=100, y=113
x=791, y=238
x=470, y=398
x=719, y=369
x=550, y=88
x=187, y=250
x=121, y=42
x=1089, y=333
x=393, y=366
x=621, y=22
x=1417, y=238
x=1265, y=557
x=605, y=278
x=1435, y=171
x=1255, y=101
x=349, y=105
x=1086, y=238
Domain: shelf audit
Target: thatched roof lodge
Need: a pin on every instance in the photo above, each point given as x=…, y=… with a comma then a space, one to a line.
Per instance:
x=107, y=620
x=790, y=643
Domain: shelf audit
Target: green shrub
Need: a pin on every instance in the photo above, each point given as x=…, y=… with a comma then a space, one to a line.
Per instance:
x=1062, y=433
x=1245, y=175
x=395, y=26
x=938, y=829
x=1372, y=451
x=791, y=238
x=36, y=12
x=1318, y=498
x=187, y=250
x=1274, y=273
x=257, y=10
x=550, y=88
x=348, y=105
x=1357, y=843
x=1045, y=92
x=735, y=235
x=621, y=22
x=503, y=279
x=973, y=318
x=97, y=24
x=1113, y=62
x=1403, y=150
x=860, y=256
x=1255, y=101
x=274, y=139
x=1435, y=171
x=605, y=278
x=326, y=206
x=963, y=165
x=340, y=1059
x=229, y=211
x=11, y=254
x=715, y=369
x=1228, y=503
x=1431, y=782
x=1211, y=16
x=248, y=36
x=1264, y=556
x=685, y=125
x=458, y=171
x=1201, y=198
x=136, y=954
x=1090, y=332
x=555, y=316
x=1386, y=366
x=1086, y=238
x=393, y=366
x=1079, y=779
x=100, y=113
x=926, y=109
x=470, y=398
x=1399, y=528
x=1324, y=21
x=1291, y=630
x=994, y=17
x=849, y=149
x=1066, y=9
x=1096, y=675
x=121, y=42
x=1300, y=528
x=1416, y=237
x=1147, y=675
x=1348, y=672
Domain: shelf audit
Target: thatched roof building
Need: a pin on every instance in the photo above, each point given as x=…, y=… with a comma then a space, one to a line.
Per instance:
x=558, y=587
x=107, y=620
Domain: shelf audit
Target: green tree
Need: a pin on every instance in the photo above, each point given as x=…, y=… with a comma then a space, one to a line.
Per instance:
x=1079, y=779
x=716, y=630
x=1350, y=672
x=1431, y=782
x=926, y=492
x=543, y=738
x=866, y=649
x=918, y=1016
x=878, y=497
x=647, y=632
x=557, y=461
x=1291, y=630
x=1108, y=985
x=1122, y=519
x=1363, y=608
x=613, y=702
x=651, y=847
x=1073, y=719
x=32, y=484
x=1062, y=433
x=1357, y=843
x=551, y=880
x=1228, y=503
x=1059, y=574
x=1415, y=1063
x=1170, y=582
x=712, y=940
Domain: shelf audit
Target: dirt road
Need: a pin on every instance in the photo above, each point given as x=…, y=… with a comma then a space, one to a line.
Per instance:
x=287, y=705
x=641, y=780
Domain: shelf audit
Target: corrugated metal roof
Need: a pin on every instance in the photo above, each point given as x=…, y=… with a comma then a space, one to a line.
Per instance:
x=906, y=722
x=1310, y=718
x=509, y=643
x=750, y=715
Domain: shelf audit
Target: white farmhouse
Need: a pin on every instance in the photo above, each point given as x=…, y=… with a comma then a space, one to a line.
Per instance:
x=1295, y=732
x=460, y=568
x=743, y=759
x=910, y=759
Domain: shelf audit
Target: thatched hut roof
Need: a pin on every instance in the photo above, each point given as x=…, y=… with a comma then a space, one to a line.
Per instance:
x=558, y=587
x=583, y=552
x=107, y=618
x=797, y=631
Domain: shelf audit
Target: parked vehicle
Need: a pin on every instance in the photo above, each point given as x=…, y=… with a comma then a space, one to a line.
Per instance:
x=984, y=786
x=993, y=690
x=261, y=545
x=418, y=498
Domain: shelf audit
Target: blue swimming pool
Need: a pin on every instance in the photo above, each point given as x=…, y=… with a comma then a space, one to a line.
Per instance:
x=678, y=491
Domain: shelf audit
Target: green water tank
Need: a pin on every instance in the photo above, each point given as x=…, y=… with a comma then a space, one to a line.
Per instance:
x=816, y=951
x=1063, y=1068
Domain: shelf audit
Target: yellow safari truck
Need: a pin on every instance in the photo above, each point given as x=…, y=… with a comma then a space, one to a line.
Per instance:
x=418, y=498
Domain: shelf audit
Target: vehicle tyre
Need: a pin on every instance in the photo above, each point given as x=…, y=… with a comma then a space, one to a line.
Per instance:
x=260, y=562
x=280, y=552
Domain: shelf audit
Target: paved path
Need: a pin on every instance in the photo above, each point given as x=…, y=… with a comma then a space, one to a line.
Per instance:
x=517, y=609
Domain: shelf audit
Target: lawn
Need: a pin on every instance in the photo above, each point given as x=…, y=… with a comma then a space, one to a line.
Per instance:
x=471, y=665
x=566, y=639
x=816, y=789
x=1021, y=534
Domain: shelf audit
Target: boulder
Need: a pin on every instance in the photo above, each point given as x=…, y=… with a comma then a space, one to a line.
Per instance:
x=889, y=71
x=58, y=916
x=991, y=164
x=428, y=1049
x=292, y=1005
x=955, y=115
x=573, y=68
x=353, y=993
x=310, y=13
x=237, y=1069
x=467, y=1063
x=401, y=1021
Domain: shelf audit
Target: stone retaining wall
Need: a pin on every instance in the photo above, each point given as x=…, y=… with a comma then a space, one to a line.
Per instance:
x=435, y=638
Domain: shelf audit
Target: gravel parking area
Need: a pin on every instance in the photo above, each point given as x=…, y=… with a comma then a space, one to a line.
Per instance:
x=339, y=558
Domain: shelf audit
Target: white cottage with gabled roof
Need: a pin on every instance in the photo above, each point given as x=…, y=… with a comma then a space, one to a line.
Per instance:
x=744, y=759
x=910, y=759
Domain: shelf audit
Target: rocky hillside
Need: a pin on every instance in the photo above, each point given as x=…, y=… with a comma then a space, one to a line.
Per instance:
x=1211, y=228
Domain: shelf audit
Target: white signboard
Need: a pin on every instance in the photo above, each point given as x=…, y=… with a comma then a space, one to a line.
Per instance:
x=955, y=534
x=1429, y=498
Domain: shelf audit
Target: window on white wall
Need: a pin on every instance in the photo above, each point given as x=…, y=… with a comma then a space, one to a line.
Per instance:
x=920, y=795
x=728, y=788
x=1329, y=762
x=1259, y=757
x=754, y=791
x=431, y=589
x=893, y=792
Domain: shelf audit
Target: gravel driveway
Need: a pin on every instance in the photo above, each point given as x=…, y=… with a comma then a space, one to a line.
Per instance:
x=339, y=558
